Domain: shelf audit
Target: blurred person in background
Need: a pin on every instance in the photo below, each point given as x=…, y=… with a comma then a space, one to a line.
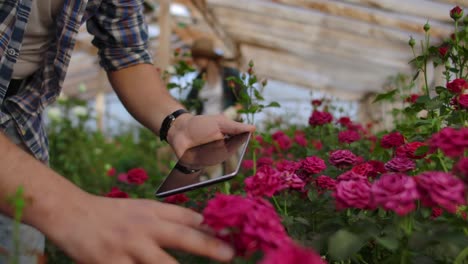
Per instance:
x=36, y=42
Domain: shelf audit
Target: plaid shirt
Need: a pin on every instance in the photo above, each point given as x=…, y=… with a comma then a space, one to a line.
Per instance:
x=120, y=34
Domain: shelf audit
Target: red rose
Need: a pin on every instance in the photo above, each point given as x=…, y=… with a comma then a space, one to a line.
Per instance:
x=111, y=172
x=456, y=13
x=247, y=164
x=116, y=193
x=348, y=136
x=379, y=168
x=177, y=199
x=325, y=183
x=409, y=149
x=316, y=102
x=137, y=176
x=351, y=176
x=392, y=140
x=443, y=51
x=264, y=161
x=320, y=118
x=365, y=169
x=344, y=121
x=457, y=85
x=463, y=101
x=412, y=98
x=436, y=212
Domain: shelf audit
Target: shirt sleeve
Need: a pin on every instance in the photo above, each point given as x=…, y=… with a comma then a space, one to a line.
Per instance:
x=120, y=34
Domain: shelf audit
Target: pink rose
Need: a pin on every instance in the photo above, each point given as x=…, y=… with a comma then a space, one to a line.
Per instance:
x=457, y=86
x=283, y=141
x=320, y=118
x=351, y=176
x=313, y=165
x=408, y=150
x=348, y=136
x=177, y=199
x=287, y=165
x=451, y=141
x=266, y=182
x=353, y=194
x=292, y=181
x=292, y=253
x=264, y=161
x=396, y=192
x=116, y=193
x=400, y=164
x=249, y=224
x=441, y=189
x=300, y=139
x=342, y=158
x=247, y=164
x=392, y=140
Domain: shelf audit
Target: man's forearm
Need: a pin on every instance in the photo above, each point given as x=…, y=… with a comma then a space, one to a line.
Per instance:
x=144, y=95
x=46, y=193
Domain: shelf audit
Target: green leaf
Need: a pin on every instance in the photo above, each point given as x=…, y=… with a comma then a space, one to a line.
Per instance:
x=385, y=96
x=343, y=244
x=390, y=243
x=273, y=104
x=302, y=221
x=258, y=95
x=440, y=89
x=172, y=86
x=421, y=151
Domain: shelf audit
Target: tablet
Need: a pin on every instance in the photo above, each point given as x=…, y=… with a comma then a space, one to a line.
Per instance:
x=205, y=165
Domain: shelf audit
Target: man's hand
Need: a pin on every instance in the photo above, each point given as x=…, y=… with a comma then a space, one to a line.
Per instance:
x=106, y=230
x=188, y=131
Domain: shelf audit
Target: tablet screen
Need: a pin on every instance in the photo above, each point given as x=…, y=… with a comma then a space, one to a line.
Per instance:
x=205, y=164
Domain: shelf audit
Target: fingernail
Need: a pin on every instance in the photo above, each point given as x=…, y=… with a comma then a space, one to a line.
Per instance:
x=226, y=252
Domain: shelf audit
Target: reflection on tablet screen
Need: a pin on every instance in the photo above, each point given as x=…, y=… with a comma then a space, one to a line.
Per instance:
x=194, y=165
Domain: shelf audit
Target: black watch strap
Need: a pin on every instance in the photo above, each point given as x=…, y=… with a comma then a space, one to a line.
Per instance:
x=168, y=122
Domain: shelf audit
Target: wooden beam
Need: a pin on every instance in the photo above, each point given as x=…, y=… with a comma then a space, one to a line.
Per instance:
x=303, y=40
x=461, y=3
x=372, y=16
x=421, y=8
x=231, y=47
x=308, y=11
x=164, y=49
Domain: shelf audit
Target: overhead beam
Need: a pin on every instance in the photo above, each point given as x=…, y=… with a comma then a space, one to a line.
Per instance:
x=372, y=16
x=301, y=11
x=420, y=8
x=303, y=40
x=164, y=40
x=212, y=21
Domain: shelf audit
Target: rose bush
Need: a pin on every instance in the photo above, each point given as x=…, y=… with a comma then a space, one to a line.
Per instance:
x=334, y=190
